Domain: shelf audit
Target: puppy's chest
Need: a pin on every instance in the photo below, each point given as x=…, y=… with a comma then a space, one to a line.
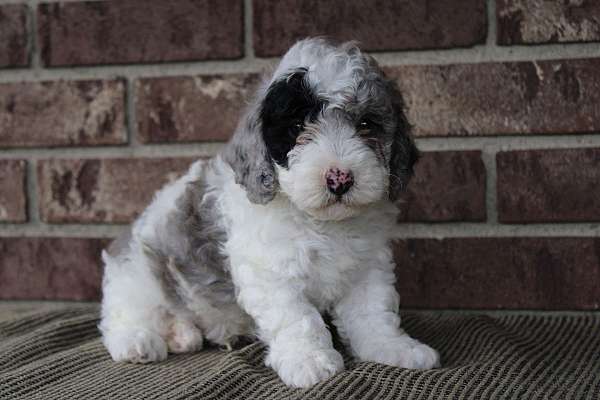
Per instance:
x=332, y=264
x=336, y=253
x=276, y=245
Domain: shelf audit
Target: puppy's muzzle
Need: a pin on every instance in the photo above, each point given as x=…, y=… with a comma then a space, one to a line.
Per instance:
x=339, y=181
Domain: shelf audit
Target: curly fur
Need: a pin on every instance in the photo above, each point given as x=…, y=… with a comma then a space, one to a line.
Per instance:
x=251, y=242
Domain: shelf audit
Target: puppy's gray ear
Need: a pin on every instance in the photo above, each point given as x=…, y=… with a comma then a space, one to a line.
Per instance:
x=404, y=153
x=252, y=165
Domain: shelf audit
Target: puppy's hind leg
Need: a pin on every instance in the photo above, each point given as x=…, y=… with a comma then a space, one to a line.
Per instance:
x=135, y=317
x=183, y=336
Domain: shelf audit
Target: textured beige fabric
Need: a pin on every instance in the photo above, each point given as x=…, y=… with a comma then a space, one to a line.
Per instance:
x=56, y=353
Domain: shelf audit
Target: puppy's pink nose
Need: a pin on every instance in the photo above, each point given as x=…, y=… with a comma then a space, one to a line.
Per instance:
x=339, y=181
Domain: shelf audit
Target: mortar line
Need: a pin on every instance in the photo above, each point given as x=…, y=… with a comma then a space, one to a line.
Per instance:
x=110, y=152
x=131, y=117
x=488, y=156
x=513, y=142
x=41, y=229
x=33, y=217
x=206, y=149
x=491, y=23
x=36, y=61
x=439, y=230
x=472, y=230
x=485, y=53
x=248, y=31
x=253, y=65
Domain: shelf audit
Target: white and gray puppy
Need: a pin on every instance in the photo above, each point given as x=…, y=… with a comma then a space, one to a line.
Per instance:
x=292, y=219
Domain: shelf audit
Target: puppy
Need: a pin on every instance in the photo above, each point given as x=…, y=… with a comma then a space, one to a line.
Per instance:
x=293, y=219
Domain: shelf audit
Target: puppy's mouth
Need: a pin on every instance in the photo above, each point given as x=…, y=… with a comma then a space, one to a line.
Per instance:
x=347, y=199
x=334, y=200
x=337, y=208
x=342, y=200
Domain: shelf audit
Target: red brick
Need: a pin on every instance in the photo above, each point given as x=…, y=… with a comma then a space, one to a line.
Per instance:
x=109, y=190
x=497, y=273
x=379, y=25
x=62, y=113
x=542, y=21
x=140, y=31
x=13, y=36
x=184, y=109
x=544, y=97
x=472, y=273
x=50, y=268
x=13, y=197
x=549, y=185
x=447, y=186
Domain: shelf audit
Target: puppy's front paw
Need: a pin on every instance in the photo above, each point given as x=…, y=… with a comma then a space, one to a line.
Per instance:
x=136, y=346
x=404, y=352
x=304, y=368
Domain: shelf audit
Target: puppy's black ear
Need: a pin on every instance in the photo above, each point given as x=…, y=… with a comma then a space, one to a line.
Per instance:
x=249, y=158
x=404, y=153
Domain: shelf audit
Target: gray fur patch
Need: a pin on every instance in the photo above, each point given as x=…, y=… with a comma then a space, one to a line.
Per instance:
x=404, y=153
x=247, y=155
x=187, y=258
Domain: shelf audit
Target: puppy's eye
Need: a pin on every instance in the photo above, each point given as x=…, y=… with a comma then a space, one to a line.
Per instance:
x=365, y=125
x=296, y=127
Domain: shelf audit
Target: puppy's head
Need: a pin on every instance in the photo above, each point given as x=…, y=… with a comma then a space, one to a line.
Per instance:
x=328, y=131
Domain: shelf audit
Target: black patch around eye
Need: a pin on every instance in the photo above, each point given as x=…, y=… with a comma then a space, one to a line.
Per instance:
x=288, y=104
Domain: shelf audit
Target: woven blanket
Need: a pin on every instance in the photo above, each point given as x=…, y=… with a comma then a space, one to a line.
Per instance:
x=56, y=353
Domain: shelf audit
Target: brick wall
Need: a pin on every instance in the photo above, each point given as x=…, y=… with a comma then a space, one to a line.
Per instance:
x=101, y=103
